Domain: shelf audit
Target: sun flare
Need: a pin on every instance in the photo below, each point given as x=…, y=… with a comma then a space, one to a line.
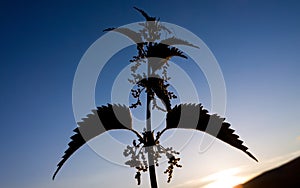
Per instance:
x=224, y=179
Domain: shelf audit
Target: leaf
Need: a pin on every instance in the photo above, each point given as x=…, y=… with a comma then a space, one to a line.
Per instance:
x=157, y=86
x=176, y=41
x=191, y=116
x=146, y=16
x=103, y=119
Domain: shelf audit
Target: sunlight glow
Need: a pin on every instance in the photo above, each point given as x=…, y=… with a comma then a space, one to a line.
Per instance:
x=224, y=179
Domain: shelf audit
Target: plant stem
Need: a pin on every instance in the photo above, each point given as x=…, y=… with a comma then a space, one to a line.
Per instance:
x=150, y=140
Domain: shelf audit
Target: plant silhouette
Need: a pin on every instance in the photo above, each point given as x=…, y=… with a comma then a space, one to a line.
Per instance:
x=144, y=154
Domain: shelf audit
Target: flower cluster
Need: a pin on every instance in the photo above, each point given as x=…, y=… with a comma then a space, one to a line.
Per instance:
x=137, y=154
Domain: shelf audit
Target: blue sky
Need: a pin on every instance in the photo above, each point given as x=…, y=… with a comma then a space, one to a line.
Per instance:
x=255, y=42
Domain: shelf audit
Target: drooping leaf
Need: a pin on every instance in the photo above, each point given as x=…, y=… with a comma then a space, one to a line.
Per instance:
x=103, y=119
x=176, y=41
x=157, y=86
x=163, y=51
x=158, y=55
x=191, y=116
x=132, y=35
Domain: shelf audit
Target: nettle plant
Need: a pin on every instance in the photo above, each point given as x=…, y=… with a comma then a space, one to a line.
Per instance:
x=155, y=47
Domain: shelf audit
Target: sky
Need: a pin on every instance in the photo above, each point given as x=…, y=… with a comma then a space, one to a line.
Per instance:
x=256, y=44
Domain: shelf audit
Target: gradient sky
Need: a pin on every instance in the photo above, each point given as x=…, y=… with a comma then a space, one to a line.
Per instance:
x=255, y=42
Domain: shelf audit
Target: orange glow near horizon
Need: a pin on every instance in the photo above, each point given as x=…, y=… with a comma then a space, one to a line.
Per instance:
x=225, y=179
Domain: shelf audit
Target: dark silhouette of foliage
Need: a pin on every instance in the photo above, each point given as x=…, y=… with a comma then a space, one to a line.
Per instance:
x=138, y=178
x=155, y=87
x=99, y=121
x=192, y=116
x=173, y=162
x=147, y=17
x=154, y=51
x=138, y=158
